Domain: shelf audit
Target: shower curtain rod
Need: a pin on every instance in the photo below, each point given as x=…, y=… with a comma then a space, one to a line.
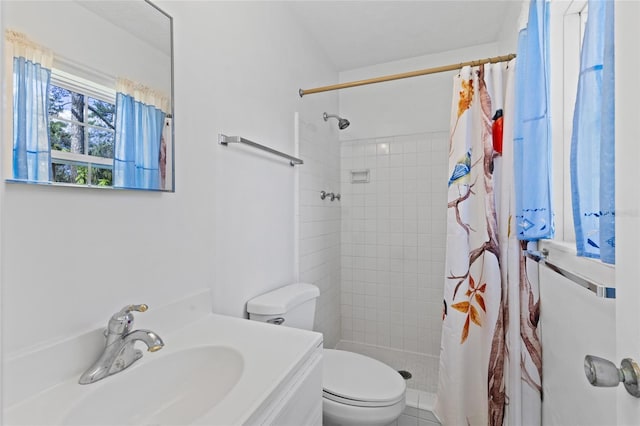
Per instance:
x=435, y=70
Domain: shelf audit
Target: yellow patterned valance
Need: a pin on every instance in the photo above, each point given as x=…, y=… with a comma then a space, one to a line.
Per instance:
x=143, y=94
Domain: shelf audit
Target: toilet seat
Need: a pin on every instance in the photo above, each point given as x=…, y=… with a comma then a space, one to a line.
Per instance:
x=353, y=379
x=357, y=403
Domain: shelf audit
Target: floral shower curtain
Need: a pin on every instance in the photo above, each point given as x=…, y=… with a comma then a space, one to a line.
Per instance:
x=482, y=364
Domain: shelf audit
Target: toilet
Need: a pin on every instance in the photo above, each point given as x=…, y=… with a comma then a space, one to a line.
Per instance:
x=357, y=390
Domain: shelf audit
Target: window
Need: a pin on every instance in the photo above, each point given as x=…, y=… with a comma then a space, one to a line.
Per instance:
x=81, y=131
x=568, y=21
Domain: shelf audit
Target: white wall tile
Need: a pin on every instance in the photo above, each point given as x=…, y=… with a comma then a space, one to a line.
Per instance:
x=399, y=241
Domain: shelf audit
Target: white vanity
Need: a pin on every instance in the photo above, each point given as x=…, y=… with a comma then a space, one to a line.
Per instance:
x=213, y=370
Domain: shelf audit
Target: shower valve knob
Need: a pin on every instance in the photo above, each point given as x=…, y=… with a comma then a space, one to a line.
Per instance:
x=604, y=373
x=331, y=195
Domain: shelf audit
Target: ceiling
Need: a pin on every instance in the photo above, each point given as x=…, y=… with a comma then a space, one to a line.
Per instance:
x=356, y=34
x=139, y=18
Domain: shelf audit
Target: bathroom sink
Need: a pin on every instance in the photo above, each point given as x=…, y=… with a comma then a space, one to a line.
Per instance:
x=173, y=389
x=213, y=370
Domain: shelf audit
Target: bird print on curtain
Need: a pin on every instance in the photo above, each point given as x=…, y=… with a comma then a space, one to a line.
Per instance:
x=474, y=289
x=486, y=281
x=462, y=169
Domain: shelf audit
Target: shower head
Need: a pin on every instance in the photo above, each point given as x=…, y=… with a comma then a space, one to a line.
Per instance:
x=343, y=123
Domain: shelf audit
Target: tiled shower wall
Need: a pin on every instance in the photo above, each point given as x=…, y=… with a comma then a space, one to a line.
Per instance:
x=319, y=239
x=393, y=240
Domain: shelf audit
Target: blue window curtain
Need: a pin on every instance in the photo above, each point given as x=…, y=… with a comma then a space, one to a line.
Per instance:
x=593, y=137
x=137, y=144
x=532, y=128
x=31, y=148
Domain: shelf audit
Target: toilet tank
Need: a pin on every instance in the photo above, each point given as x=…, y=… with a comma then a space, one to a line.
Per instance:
x=293, y=305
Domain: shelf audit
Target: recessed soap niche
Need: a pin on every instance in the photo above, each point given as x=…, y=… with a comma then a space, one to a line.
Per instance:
x=360, y=176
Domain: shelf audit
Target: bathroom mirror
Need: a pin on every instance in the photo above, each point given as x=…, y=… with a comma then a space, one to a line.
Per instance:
x=92, y=86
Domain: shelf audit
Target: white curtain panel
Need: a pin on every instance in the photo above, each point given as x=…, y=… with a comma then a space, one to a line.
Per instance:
x=520, y=275
x=482, y=366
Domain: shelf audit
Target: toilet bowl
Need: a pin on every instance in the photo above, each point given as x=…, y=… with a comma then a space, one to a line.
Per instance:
x=357, y=390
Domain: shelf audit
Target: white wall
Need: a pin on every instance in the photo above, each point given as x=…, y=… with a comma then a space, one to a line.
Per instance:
x=319, y=235
x=508, y=38
x=408, y=106
x=228, y=226
x=88, y=40
x=239, y=66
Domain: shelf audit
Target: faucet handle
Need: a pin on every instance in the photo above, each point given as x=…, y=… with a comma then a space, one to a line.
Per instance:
x=121, y=322
x=130, y=308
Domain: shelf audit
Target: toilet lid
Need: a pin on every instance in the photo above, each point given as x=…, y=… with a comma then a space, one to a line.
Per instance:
x=356, y=379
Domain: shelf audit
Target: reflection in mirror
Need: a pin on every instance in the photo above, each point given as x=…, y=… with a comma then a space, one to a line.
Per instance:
x=92, y=87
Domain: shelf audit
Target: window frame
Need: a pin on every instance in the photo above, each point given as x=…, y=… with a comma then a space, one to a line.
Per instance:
x=87, y=88
x=568, y=19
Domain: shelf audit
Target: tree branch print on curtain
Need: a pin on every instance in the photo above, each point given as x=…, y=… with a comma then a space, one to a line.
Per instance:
x=475, y=282
x=529, y=318
x=491, y=350
x=496, y=383
x=491, y=245
x=455, y=204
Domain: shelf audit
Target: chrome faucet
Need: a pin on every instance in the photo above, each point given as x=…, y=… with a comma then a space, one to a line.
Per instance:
x=119, y=351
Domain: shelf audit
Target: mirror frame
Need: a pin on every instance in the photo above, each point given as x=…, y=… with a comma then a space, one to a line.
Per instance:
x=8, y=145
